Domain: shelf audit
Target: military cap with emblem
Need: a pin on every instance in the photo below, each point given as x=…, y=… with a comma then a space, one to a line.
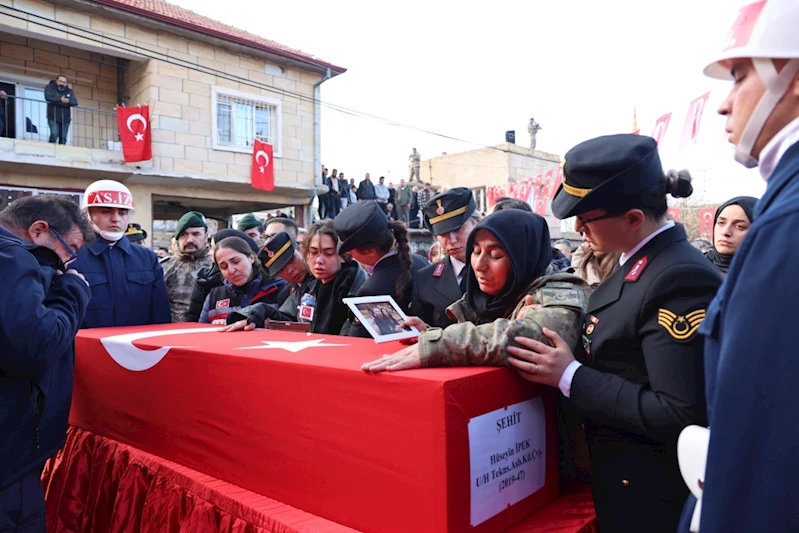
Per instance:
x=609, y=172
x=277, y=252
x=192, y=219
x=447, y=211
x=134, y=233
x=359, y=224
x=249, y=221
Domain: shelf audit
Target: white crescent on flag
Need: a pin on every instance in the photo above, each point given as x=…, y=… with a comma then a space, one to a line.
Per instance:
x=260, y=153
x=133, y=118
x=122, y=350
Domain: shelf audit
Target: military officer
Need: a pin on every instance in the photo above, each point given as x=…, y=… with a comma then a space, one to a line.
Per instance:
x=451, y=217
x=639, y=379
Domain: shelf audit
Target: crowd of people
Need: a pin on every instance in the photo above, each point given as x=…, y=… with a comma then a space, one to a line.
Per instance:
x=668, y=357
x=403, y=203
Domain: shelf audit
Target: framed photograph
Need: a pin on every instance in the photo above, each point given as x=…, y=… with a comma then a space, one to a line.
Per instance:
x=382, y=318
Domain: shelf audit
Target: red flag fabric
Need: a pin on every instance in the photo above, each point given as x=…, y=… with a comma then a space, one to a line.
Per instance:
x=188, y=393
x=637, y=132
x=660, y=127
x=134, y=133
x=690, y=130
x=674, y=214
x=263, y=167
x=706, y=216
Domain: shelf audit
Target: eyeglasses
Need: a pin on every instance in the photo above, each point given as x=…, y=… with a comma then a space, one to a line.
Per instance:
x=67, y=247
x=595, y=219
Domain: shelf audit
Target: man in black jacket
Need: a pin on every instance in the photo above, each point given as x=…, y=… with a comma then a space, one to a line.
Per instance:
x=60, y=100
x=42, y=304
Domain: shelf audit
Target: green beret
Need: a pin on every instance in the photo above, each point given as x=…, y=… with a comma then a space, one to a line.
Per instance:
x=192, y=219
x=249, y=221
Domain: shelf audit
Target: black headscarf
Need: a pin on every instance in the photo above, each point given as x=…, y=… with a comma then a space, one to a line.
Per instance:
x=525, y=238
x=747, y=203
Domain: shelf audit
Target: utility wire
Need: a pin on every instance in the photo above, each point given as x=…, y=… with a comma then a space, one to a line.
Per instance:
x=136, y=49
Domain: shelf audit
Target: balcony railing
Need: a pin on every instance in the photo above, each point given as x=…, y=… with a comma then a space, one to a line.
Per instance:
x=26, y=118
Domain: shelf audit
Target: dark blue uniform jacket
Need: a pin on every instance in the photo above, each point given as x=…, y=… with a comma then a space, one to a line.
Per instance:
x=128, y=287
x=40, y=313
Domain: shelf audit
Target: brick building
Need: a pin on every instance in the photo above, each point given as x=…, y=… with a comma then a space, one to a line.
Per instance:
x=211, y=88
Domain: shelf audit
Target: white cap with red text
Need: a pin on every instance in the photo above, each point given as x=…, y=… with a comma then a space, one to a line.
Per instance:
x=107, y=193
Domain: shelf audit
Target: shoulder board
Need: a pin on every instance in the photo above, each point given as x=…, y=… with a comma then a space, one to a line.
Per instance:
x=637, y=269
x=561, y=294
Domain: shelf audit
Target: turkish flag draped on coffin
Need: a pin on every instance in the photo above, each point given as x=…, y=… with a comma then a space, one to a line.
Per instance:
x=134, y=132
x=263, y=168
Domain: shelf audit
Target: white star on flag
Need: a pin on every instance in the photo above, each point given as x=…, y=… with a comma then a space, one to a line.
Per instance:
x=139, y=136
x=261, y=169
x=292, y=347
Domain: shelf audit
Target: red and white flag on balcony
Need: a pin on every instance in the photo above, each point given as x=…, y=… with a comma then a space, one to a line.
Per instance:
x=263, y=167
x=691, y=129
x=134, y=132
x=660, y=128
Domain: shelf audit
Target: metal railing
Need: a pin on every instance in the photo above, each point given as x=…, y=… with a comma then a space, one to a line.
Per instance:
x=26, y=118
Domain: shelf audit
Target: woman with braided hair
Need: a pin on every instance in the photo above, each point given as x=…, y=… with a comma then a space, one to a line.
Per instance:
x=383, y=248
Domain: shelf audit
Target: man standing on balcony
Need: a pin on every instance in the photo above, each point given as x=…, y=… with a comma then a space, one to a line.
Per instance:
x=180, y=270
x=60, y=100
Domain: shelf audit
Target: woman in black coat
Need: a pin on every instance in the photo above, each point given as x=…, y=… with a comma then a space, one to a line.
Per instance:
x=381, y=246
x=730, y=226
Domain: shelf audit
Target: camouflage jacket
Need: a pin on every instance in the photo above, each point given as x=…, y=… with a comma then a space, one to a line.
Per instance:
x=180, y=274
x=563, y=299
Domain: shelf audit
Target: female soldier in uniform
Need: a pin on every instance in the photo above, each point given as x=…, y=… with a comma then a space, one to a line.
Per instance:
x=639, y=378
x=382, y=246
x=509, y=253
x=450, y=217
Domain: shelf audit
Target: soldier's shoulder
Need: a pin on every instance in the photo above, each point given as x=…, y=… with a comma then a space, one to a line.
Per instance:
x=563, y=290
x=429, y=270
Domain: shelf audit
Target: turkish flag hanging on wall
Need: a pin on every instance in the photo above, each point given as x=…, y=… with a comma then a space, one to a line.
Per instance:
x=263, y=168
x=134, y=132
x=661, y=126
x=706, y=216
x=690, y=130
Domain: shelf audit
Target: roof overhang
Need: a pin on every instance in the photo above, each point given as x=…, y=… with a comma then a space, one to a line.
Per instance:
x=156, y=21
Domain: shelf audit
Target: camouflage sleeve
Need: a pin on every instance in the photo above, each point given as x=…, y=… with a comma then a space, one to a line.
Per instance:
x=465, y=344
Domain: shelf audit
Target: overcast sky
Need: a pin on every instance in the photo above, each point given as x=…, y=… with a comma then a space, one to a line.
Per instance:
x=577, y=66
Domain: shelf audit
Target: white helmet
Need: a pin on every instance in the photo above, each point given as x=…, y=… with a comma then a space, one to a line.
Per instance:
x=764, y=30
x=107, y=193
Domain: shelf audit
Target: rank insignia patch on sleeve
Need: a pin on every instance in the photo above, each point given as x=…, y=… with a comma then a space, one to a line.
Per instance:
x=681, y=327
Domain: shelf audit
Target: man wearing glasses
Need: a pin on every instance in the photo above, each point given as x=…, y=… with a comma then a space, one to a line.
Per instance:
x=43, y=302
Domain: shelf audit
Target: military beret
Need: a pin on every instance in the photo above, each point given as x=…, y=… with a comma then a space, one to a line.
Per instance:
x=192, y=219
x=249, y=221
x=277, y=253
x=134, y=233
x=609, y=172
x=230, y=232
x=447, y=211
x=359, y=224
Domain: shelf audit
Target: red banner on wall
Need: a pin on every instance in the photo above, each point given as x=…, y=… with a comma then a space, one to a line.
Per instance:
x=263, y=167
x=690, y=130
x=661, y=126
x=674, y=214
x=134, y=133
x=706, y=216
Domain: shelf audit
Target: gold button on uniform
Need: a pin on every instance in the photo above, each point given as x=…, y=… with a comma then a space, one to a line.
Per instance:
x=625, y=482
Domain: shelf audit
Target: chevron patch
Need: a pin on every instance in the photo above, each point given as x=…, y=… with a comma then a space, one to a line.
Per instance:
x=681, y=327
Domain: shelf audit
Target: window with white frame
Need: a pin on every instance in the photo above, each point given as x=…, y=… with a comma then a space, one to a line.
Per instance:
x=240, y=117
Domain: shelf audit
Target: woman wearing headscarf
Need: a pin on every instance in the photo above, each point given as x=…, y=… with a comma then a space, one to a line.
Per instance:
x=509, y=256
x=730, y=225
x=639, y=378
